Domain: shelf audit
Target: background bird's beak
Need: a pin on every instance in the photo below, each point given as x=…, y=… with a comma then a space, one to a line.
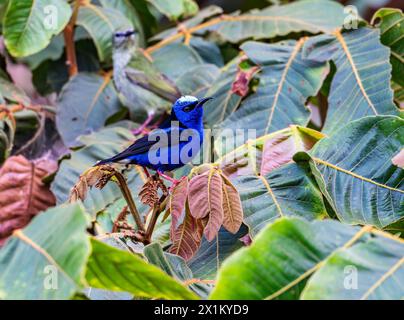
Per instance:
x=203, y=101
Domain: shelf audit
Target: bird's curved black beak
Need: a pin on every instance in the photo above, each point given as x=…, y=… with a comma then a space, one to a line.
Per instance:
x=203, y=101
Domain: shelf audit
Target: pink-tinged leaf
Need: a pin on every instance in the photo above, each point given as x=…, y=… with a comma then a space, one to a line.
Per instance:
x=22, y=192
x=176, y=203
x=398, y=159
x=243, y=78
x=187, y=238
x=205, y=194
x=232, y=208
x=281, y=148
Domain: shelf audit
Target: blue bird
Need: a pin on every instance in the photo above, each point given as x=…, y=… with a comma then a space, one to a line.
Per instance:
x=174, y=144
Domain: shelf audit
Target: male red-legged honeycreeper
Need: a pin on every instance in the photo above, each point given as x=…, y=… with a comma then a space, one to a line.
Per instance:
x=187, y=113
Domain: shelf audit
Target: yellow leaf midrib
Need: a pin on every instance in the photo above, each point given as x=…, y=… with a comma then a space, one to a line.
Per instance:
x=355, y=71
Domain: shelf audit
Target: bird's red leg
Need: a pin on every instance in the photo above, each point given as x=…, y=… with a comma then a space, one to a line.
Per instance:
x=172, y=180
x=141, y=129
x=146, y=172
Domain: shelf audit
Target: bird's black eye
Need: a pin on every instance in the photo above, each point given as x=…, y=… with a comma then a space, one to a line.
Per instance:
x=190, y=107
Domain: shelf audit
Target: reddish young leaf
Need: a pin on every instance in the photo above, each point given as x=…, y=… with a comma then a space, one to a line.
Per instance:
x=187, y=238
x=22, y=192
x=232, y=208
x=280, y=149
x=243, y=78
x=398, y=159
x=176, y=203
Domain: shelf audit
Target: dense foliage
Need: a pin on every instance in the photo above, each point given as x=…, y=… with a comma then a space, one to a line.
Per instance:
x=311, y=206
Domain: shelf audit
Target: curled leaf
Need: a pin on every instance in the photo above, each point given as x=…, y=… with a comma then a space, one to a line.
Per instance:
x=149, y=192
x=23, y=194
x=95, y=177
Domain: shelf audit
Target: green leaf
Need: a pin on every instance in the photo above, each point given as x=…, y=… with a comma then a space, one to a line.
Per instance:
x=113, y=269
x=355, y=172
x=286, y=191
x=84, y=105
x=286, y=81
x=210, y=255
x=46, y=260
x=101, y=23
x=30, y=24
x=98, y=146
x=176, y=267
x=176, y=59
x=126, y=8
x=7, y=134
x=361, y=85
x=367, y=271
x=225, y=102
x=305, y=15
x=198, y=80
x=391, y=31
x=174, y=9
x=283, y=257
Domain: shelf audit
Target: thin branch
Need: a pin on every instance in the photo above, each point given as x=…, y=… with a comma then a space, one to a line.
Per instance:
x=68, y=34
x=158, y=208
x=128, y=197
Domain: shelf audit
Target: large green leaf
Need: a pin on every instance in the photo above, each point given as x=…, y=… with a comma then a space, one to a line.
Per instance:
x=306, y=15
x=225, y=101
x=198, y=80
x=101, y=23
x=210, y=255
x=98, y=146
x=129, y=11
x=373, y=270
x=355, y=172
x=391, y=31
x=176, y=59
x=286, y=81
x=46, y=260
x=113, y=269
x=176, y=267
x=287, y=253
x=361, y=85
x=84, y=105
x=30, y=24
x=174, y=9
x=286, y=191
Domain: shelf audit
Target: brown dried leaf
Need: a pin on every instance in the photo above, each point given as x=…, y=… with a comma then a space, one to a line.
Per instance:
x=243, y=78
x=188, y=236
x=398, y=159
x=23, y=193
x=149, y=192
x=176, y=203
x=95, y=177
x=232, y=208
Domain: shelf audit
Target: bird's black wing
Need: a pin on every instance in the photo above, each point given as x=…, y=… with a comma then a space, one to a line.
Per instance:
x=144, y=144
